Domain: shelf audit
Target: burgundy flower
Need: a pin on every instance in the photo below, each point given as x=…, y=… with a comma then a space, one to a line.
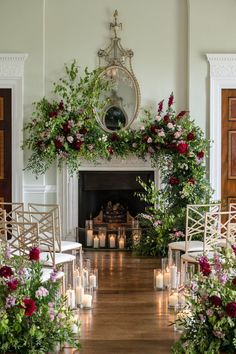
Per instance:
x=40, y=145
x=114, y=137
x=234, y=248
x=215, y=300
x=204, y=266
x=52, y=114
x=190, y=136
x=171, y=146
x=154, y=129
x=182, y=148
x=231, y=309
x=160, y=107
x=110, y=150
x=166, y=119
x=61, y=106
x=200, y=154
x=29, y=306
x=83, y=131
x=6, y=272
x=181, y=114
x=77, y=144
x=234, y=281
x=13, y=284
x=58, y=142
x=171, y=100
x=174, y=181
x=34, y=254
x=66, y=127
x=191, y=181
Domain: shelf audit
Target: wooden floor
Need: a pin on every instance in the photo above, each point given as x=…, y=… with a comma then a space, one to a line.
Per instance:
x=128, y=315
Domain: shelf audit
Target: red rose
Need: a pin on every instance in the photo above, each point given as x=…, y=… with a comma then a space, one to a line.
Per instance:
x=231, y=309
x=190, y=136
x=204, y=266
x=114, y=137
x=83, y=131
x=110, y=150
x=154, y=129
x=66, y=127
x=58, y=142
x=145, y=138
x=160, y=106
x=182, y=148
x=6, y=272
x=29, y=306
x=166, y=119
x=200, y=154
x=77, y=144
x=215, y=300
x=13, y=284
x=52, y=114
x=171, y=100
x=174, y=181
x=34, y=254
x=191, y=181
x=181, y=114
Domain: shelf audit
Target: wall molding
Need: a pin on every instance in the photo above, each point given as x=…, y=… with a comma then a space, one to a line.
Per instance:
x=33, y=188
x=12, y=76
x=222, y=75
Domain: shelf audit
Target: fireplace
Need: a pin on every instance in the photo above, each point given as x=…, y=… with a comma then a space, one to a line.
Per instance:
x=114, y=191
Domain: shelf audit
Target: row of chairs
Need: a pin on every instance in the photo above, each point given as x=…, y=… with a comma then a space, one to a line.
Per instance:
x=207, y=228
x=39, y=225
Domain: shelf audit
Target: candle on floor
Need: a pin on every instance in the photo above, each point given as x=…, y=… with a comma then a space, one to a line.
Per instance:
x=79, y=292
x=166, y=277
x=173, y=277
x=121, y=243
x=70, y=293
x=159, y=281
x=102, y=239
x=96, y=242
x=173, y=299
x=93, y=280
x=87, y=301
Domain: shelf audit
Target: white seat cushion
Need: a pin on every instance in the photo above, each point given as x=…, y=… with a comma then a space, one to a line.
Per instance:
x=193, y=256
x=47, y=273
x=70, y=246
x=60, y=258
x=194, y=246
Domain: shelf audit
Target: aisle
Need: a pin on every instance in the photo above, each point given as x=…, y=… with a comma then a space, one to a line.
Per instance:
x=128, y=316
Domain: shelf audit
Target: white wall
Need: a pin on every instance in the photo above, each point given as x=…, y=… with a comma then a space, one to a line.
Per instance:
x=169, y=38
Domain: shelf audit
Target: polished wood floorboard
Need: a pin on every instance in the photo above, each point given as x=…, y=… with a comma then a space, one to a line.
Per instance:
x=128, y=315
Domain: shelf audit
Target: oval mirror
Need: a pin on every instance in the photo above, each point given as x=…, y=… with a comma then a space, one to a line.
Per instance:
x=122, y=100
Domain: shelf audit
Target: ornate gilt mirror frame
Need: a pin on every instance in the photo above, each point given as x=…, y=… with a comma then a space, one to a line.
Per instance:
x=124, y=97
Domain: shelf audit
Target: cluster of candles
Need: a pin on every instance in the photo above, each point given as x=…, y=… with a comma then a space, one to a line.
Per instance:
x=101, y=240
x=86, y=282
x=168, y=278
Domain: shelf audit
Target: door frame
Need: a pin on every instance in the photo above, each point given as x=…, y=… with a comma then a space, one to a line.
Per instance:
x=222, y=76
x=12, y=77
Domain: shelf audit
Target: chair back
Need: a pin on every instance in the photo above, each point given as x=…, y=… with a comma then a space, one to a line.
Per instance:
x=11, y=209
x=21, y=241
x=50, y=208
x=195, y=221
x=220, y=229
x=46, y=228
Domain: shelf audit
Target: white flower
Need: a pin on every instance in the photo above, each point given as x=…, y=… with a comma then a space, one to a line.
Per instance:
x=41, y=292
x=170, y=126
x=158, y=118
x=149, y=140
x=142, y=127
x=177, y=135
x=90, y=146
x=104, y=137
x=134, y=145
x=161, y=132
x=70, y=139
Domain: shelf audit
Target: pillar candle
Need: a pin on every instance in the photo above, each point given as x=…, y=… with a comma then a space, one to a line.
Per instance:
x=121, y=243
x=89, y=237
x=112, y=241
x=93, y=280
x=173, y=299
x=102, y=239
x=173, y=277
x=79, y=294
x=159, y=281
x=87, y=301
x=70, y=293
x=166, y=277
x=96, y=242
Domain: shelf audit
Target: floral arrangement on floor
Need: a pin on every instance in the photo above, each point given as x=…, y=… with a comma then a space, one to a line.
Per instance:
x=210, y=325
x=66, y=131
x=33, y=316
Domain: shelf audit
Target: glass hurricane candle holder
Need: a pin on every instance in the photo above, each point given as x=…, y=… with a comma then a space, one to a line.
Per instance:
x=79, y=291
x=87, y=300
x=136, y=236
x=158, y=279
x=70, y=297
x=112, y=240
x=93, y=278
x=173, y=298
x=96, y=241
x=89, y=232
x=121, y=237
x=102, y=234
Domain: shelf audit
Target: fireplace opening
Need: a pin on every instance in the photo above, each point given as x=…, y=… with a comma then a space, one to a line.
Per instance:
x=108, y=198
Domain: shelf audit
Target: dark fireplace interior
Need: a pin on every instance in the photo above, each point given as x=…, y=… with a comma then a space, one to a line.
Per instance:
x=98, y=188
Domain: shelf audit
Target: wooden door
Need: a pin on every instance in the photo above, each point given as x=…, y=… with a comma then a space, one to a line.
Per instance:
x=5, y=146
x=228, y=159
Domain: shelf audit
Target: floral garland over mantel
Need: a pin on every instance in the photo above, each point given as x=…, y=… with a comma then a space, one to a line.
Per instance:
x=66, y=130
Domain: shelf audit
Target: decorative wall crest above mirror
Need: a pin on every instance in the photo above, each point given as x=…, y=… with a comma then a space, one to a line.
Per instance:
x=123, y=99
